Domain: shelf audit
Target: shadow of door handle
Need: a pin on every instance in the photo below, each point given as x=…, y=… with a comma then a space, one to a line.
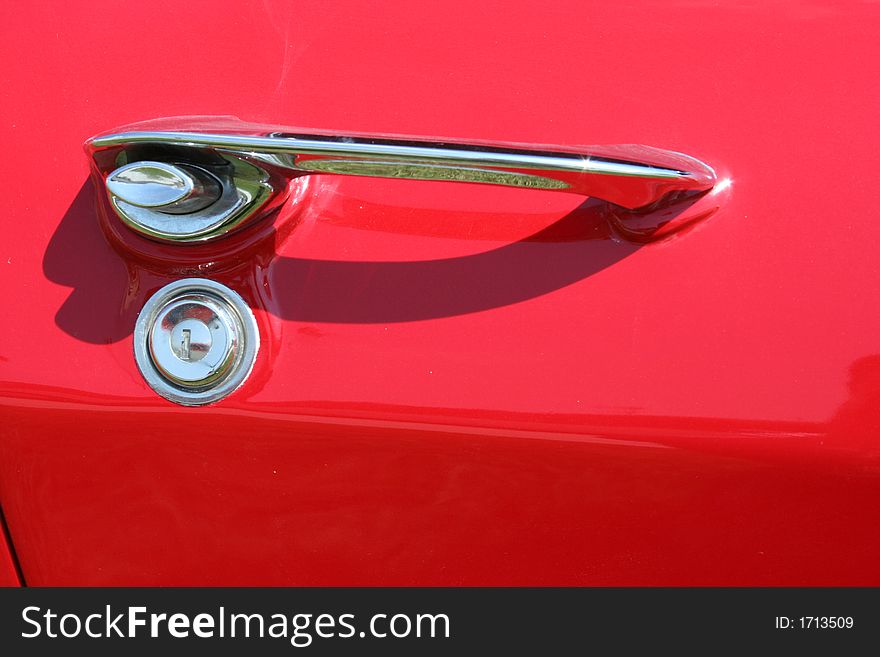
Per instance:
x=252, y=170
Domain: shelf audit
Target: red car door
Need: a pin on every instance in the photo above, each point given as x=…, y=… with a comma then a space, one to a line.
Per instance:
x=457, y=384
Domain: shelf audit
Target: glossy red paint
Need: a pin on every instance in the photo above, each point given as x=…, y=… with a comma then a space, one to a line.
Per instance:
x=457, y=384
x=8, y=572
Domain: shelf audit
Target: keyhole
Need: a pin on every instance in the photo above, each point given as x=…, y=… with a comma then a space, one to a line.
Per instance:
x=187, y=336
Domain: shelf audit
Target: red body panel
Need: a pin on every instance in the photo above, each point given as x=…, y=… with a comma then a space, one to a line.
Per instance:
x=458, y=384
x=8, y=572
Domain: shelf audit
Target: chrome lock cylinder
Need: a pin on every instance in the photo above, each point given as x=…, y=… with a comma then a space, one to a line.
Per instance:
x=195, y=341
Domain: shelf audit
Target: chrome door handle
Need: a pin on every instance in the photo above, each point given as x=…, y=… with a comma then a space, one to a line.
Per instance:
x=183, y=185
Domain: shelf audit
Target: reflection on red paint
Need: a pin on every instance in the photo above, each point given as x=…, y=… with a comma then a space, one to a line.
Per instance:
x=457, y=384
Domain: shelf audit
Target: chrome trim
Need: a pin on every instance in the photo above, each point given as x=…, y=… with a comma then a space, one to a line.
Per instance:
x=629, y=176
x=151, y=184
x=183, y=227
x=242, y=189
x=217, y=374
x=414, y=152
